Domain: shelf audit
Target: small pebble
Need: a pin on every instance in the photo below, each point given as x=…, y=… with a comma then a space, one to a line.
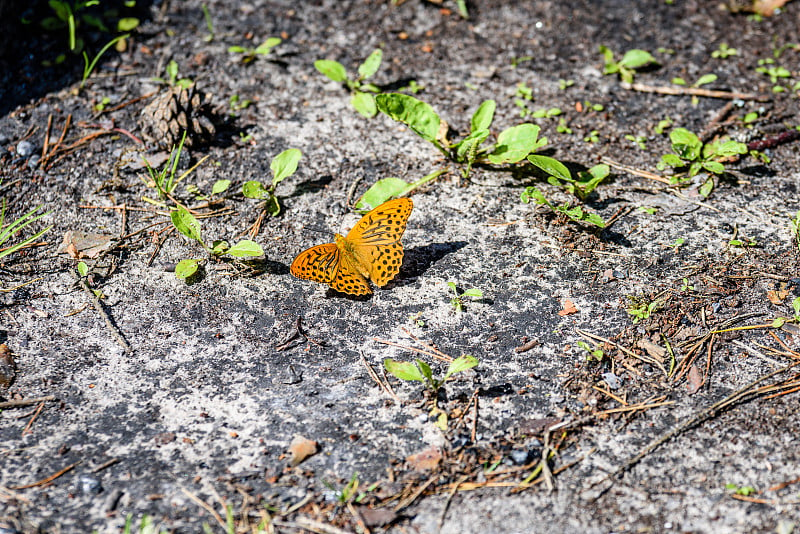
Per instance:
x=612, y=380
x=3, y=139
x=89, y=485
x=33, y=161
x=521, y=457
x=25, y=149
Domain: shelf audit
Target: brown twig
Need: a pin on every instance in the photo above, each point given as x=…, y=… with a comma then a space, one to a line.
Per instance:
x=636, y=172
x=692, y=91
x=413, y=349
x=377, y=379
x=25, y=402
x=47, y=480
x=771, y=142
x=113, y=330
x=27, y=429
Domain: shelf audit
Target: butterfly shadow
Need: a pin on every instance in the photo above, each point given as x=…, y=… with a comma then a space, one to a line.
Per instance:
x=417, y=260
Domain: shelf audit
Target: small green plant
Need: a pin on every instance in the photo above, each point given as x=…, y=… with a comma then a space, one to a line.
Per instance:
x=592, y=137
x=422, y=372
x=237, y=103
x=702, y=80
x=72, y=14
x=692, y=156
x=724, y=52
x=7, y=231
x=165, y=180
x=740, y=490
x=662, y=125
x=564, y=84
x=562, y=127
x=457, y=302
x=743, y=242
x=146, y=526
x=101, y=106
x=249, y=54
x=626, y=67
x=391, y=187
x=362, y=98
x=546, y=113
x=416, y=318
x=349, y=492
x=172, y=79
x=677, y=244
x=639, y=308
x=796, y=308
x=517, y=61
x=512, y=145
x=794, y=224
x=686, y=287
x=575, y=213
x=637, y=140
x=219, y=187
x=586, y=183
x=188, y=225
x=283, y=165
x=524, y=95
x=594, y=352
x=88, y=66
x=209, y=24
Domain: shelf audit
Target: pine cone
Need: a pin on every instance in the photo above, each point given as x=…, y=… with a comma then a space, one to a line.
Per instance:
x=164, y=120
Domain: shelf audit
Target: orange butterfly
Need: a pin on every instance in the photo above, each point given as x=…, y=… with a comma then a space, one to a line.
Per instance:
x=371, y=251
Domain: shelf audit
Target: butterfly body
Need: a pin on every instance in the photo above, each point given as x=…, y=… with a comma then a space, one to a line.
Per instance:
x=371, y=251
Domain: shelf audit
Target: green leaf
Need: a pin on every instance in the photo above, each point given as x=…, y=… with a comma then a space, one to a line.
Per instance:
x=705, y=79
x=254, y=189
x=237, y=49
x=714, y=166
x=186, y=268
x=265, y=47
x=371, y=64
x=685, y=143
x=678, y=81
x=483, y=116
x=426, y=371
x=186, y=224
x=707, y=187
x=220, y=186
x=551, y=166
x=364, y=103
x=245, y=248
x=127, y=24
x=284, y=165
x=273, y=206
x=403, y=370
x=515, y=143
x=474, y=292
x=452, y=285
x=535, y=194
x=416, y=114
x=82, y=269
x=461, y=364
x=636, y=58
x=219, y=247
x=332, y=69
x=673, y=160
x=469, y=145
x=608, y=55
x=381, y=191
x=729, y=148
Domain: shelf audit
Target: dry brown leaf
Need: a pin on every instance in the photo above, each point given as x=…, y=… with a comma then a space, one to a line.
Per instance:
x=376, y=517
x=8, y=367
x=301, y=448
x=776, y=296
x=426, y=460
x=767, y=7
x=568, y=308
x=79, y=244
x=694, y=380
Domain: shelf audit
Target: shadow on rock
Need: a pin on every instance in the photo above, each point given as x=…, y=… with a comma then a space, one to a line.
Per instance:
x=419, y=259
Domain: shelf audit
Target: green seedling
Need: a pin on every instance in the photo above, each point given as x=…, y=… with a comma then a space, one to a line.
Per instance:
x=146, y=526
x=686, y=287
x=388, y=188
x=640, y=308
x=662, y=125
x=283, y=165
x=101, y=106
x=219, y=187
x=692, y=156
x=413, y=87
x=73, y=14
x=421, y=371
x=236, y=104
x=516, y=61
x=361, y=98
x=172, y=79
x=562, y=127
x=543, y=113
x=750, y=118
x=189, y=226
x=7, y=231
x=209, y=24
x=586, y=183
x=512, y=145
x=523, y=96
x=677, y=244
x=743, y=242
x=702, y=80
x=794, y=224
x=416, y=318
x=349, y=492
x=626, y=67
x=650, y=210
x=593, y=137
x=594, y=353
x=740, y=490
x=564, y=84
x=724, y=52
x=637, y=140
x=588, y=106
x=249, y=54
x=166, y=180
x=457, y=302
x=88, y=66
x=796, y=308
x=574, y=213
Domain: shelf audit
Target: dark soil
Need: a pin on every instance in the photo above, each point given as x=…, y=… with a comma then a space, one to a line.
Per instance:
x=225, y=371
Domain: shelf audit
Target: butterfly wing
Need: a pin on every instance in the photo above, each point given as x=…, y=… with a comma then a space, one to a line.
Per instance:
x=375, y=240
x=324, y=263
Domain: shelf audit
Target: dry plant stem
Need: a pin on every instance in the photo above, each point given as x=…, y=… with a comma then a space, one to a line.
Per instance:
x=46, y=144
x=692, y=91
x=25, y=402
x=714, y=124
x=27, y=429
x=362, y=526
x=48, y=479
x=446, y=506
x=413, y=349
x=375, y=378
x=646, y=359
x=115, y=333
x=105, y=465
x=748, y=391
x=414, y=496
x=205, y=506
x=636, y=172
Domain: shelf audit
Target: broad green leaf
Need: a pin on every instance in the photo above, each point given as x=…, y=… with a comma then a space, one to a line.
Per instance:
x=254, y=189
x=637, y=58
x=461, y=364
x=729, y=148
x=220, y=186
x=714, y=166
x=515, y=143
x=186, y=224
x=264, y=48
x=245, y=248
x=705, y=79
x=127, y=24
x=82, y=269
x=332, y=69
x=470, y=144
x=219, y=247
x=186, y=268
x=685, y=143
x=474, y=292
x=483, y=116
x=608, y=55
x=172, y=69
x=403, y=370
x=381, y=191
x=535, y=194
x=452, y=285
x=707, y=187
x=364, y=103
x=371, y=64
x=425, y=369
x=673, y=160
x=416, y=114
x=284, y=165
x=369, y=87
x=551, y=166
x=236, y=49
x=273, y=206
x=441, y=419
x=678, y=81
